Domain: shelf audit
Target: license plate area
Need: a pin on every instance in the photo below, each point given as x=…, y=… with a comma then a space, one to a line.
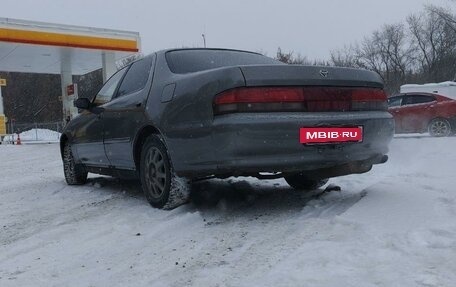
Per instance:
x=330, y=135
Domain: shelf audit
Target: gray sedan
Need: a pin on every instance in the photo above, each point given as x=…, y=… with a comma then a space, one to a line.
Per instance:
x=178, y=116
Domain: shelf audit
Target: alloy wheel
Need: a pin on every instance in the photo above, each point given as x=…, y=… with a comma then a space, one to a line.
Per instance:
x=439, y=128
x=155, y=173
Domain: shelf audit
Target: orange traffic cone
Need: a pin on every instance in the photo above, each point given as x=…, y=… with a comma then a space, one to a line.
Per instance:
x=18, y=139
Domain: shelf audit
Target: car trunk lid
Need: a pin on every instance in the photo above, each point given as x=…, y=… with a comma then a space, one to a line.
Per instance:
x=298, y=75
x=283, y=88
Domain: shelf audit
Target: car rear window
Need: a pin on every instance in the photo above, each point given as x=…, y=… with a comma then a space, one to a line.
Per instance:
x=190, y=61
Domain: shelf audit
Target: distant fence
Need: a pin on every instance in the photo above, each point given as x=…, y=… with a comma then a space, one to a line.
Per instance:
x=35, y=132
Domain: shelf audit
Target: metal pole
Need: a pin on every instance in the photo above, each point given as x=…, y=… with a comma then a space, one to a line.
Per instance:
x=1, y=102
x=204, y=39
x=36, y=131
x=12, y=131
x=1, y=110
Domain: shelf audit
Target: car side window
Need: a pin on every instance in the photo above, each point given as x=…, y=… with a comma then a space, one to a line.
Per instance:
x=418, y=99
x=136, y=77
x=109, y=88
x=394, y=102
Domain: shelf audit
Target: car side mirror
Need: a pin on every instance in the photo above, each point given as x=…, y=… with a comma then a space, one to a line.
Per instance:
x=82, y=103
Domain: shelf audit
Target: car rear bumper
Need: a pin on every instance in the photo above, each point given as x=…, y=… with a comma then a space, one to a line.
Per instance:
x=249, y=143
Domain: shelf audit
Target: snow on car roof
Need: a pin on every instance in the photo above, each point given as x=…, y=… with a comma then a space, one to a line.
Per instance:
x=443, y=84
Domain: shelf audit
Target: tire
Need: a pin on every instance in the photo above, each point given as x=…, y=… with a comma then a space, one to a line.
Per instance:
x=439, y=127
x=161, y=186
x=300, y=182
x=75, y=174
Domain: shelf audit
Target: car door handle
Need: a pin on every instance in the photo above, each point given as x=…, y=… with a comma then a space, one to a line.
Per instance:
x=138, y=104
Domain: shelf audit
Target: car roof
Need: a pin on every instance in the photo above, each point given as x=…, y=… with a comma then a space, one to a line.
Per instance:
x=164, y=51
x=205, y=49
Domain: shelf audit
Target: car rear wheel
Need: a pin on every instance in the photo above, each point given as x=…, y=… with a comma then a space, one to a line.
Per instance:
x=161, y=186
x=75, y=174
x=301, y=182
x=439, y=128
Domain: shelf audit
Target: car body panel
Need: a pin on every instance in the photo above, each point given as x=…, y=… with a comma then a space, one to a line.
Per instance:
x=270, y=143
x=87, y=139
x=120, y=120
x=297, y=75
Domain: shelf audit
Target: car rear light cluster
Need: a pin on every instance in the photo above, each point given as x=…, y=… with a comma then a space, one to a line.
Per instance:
x=306, y=99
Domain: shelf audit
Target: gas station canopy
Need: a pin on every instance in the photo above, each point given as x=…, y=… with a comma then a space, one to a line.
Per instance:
x=36, y=47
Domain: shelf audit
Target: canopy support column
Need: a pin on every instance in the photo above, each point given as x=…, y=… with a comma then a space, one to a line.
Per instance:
x=108, y=61
x=66, y=79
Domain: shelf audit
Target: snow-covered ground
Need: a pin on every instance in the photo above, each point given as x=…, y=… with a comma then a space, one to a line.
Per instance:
x=394, y=226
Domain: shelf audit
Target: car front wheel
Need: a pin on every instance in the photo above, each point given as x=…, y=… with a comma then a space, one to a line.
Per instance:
x=161, y=186
x=74, y=174
x=300, y=182
x=439, y=128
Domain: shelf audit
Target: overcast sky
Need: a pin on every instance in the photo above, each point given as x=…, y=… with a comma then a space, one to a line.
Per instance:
x=310, y=28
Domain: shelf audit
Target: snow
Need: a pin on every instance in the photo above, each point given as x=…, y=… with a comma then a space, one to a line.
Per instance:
x=394, y=226
x=430, y=85
x=445, y=89
x=36, y=135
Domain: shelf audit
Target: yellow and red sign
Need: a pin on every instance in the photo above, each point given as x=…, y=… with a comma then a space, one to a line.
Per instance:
x=67, y=40
x=70, y=90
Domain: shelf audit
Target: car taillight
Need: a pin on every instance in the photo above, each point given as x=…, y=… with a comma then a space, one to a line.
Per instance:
x=308, y=99
x=369, y=99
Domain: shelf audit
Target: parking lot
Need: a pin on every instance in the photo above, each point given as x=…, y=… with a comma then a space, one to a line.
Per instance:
x=393, y=226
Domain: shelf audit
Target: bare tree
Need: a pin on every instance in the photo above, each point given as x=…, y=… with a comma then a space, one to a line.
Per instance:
x=434, y=40
x=290, y=58
x=421, y=50
x=444, y=15
x=346, y=57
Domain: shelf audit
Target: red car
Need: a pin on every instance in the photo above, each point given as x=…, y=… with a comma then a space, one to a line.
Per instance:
x=423, y=112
